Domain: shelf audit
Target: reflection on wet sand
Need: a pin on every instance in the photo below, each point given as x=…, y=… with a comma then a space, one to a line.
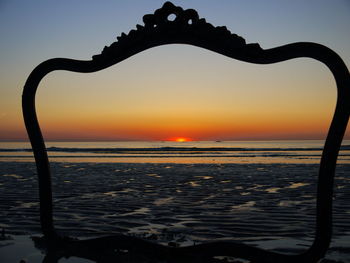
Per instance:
x=179, y=204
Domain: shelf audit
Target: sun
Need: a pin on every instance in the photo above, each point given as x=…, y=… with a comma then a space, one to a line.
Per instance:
x=181, y=139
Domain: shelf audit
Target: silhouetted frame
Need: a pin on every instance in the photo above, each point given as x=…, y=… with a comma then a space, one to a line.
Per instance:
x=188, y=28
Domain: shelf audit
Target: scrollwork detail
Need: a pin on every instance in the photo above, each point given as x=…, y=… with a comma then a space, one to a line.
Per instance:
x=186, y=27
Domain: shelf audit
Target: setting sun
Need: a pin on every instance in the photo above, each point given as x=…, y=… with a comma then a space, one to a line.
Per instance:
x=180, y=139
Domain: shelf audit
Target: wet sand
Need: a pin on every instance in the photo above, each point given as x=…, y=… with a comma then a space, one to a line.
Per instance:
x=269, y=205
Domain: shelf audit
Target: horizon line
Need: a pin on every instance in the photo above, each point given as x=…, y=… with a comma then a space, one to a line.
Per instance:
x=153, y=140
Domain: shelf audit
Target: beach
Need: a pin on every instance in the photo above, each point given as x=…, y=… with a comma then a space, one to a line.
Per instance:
x=268, y=205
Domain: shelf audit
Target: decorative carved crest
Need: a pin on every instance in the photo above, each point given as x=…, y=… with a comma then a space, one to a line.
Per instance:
x=185, y=27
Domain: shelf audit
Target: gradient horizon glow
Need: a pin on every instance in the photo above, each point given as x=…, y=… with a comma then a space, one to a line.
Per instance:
x=174, y=92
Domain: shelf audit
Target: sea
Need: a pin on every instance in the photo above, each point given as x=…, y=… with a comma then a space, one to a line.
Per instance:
x=261, y=193
x=291, y=151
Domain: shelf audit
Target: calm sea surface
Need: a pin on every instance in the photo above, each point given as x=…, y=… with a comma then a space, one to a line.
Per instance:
x=257, y=192
x=306, y=151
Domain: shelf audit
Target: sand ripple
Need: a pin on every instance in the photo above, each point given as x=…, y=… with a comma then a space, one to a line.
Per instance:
x=198, y=201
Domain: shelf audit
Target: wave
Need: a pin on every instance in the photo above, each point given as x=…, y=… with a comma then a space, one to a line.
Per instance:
x=218, y=157
x=173, y=150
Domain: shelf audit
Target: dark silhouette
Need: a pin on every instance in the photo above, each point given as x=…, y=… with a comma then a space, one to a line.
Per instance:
x=188, y=28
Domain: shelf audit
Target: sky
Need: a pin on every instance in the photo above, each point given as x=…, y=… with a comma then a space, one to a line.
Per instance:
x=170, y=91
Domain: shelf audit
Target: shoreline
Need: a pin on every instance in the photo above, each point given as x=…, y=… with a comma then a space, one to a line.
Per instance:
x=267, y=204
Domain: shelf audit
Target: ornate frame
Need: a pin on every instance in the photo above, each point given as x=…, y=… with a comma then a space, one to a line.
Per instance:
x=188, y=28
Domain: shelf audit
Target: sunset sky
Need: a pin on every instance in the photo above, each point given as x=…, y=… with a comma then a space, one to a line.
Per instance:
x=176, y=90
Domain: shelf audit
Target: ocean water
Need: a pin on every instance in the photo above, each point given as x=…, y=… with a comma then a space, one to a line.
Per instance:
x=294, y=151
x=257, y=192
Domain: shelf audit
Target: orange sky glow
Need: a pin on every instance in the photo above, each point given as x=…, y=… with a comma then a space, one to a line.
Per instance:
x=172, y=92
